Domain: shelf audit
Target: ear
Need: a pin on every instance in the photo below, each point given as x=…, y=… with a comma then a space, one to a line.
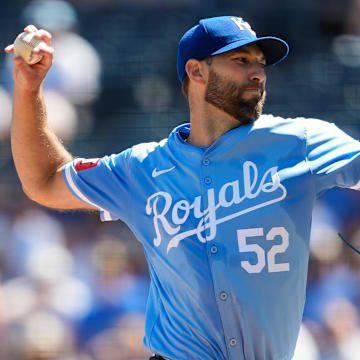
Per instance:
x=195, y=71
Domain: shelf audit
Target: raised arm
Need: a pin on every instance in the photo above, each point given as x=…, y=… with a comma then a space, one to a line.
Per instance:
x=38, y=154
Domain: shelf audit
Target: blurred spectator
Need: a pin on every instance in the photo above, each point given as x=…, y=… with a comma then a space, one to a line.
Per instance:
x=118, y=288
x=77, y=66
x=342, y=321
x=46, y=283
x=32, y=230
x=73, y=82
x=125, y=335
x=41, y=335
x=336, y=281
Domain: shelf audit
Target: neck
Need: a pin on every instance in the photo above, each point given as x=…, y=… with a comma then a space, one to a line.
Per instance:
x=209, y=123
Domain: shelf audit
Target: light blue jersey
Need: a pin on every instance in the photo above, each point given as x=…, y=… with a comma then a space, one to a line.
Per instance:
x=225, y=230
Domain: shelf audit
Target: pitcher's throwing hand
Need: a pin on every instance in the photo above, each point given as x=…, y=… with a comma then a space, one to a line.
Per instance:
x=30, y=76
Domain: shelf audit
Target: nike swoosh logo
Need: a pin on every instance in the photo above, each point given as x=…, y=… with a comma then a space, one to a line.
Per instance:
x=157, y=173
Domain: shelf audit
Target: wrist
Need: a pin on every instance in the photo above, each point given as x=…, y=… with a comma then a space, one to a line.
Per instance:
x=28, y=91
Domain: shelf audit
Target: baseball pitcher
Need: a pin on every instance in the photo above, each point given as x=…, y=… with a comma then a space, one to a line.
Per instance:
x=222, y=206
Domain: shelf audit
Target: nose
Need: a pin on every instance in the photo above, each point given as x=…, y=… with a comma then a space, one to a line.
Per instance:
x=258, y=74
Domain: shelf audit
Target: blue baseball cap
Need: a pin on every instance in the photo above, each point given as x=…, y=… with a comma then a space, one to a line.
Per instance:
x=217, y=35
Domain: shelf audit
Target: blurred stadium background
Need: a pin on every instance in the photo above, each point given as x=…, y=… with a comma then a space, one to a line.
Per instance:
x=73, y=288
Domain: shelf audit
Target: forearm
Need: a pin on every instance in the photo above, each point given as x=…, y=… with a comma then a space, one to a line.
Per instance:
x=37, y=152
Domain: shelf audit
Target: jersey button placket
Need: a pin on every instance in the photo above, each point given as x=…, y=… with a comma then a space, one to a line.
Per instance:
x=233, y=342
x=206, y=162
x=215, y=252
x=206, y=180
x=217, y=268
x=223, y=296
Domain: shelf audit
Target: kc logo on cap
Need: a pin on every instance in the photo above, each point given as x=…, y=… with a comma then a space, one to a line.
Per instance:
x=242, y=25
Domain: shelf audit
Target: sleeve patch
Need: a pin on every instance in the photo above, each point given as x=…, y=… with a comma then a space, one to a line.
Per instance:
x=84, y=164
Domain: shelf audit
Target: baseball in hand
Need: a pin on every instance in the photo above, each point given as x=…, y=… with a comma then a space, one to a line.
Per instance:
x=24, y=45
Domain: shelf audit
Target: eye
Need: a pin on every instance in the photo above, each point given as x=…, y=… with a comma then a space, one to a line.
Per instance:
x=242, y=60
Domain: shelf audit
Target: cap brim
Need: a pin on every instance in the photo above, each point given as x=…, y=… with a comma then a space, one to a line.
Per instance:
x=275, y=50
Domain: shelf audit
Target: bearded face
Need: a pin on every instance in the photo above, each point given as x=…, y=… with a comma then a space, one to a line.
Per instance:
x=229, y=96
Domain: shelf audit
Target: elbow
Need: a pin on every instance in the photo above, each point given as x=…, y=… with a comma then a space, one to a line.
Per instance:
x=30, y=194
x=33, y=195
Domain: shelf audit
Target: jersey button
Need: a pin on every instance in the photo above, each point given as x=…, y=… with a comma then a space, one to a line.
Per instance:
x=207, y=180
x=214, y=249
x=233, y=342
x=206, y=162
x=223, y=296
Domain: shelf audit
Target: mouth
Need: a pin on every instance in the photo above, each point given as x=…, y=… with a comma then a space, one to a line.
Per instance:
x=253, y=89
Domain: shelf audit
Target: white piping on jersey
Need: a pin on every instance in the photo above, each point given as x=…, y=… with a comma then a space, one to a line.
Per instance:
x=356, y=187
x=107, y=216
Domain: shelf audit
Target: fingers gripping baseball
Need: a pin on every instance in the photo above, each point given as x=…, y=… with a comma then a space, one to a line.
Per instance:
x=34, y=56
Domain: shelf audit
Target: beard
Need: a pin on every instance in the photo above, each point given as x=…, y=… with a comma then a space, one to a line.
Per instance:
x=228, y=96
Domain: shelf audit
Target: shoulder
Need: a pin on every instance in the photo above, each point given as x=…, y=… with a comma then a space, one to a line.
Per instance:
x=298, y=127
x=141, y=152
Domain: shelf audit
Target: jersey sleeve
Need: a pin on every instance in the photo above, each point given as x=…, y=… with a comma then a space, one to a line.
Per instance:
x=332, y=155
x=103, y=183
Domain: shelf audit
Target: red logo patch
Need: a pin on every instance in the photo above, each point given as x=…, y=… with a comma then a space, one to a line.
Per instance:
x=86, y=164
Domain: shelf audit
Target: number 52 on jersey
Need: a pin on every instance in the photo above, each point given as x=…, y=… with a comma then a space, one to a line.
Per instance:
x=272, y=266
